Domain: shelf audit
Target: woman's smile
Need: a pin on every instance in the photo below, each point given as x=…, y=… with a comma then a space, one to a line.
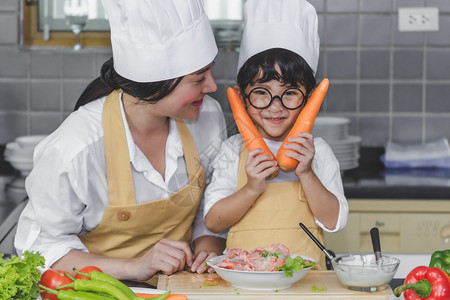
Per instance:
x=198, y=103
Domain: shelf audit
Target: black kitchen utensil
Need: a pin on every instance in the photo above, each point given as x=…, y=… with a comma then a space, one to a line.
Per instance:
x=327, y=253
x=375, y=235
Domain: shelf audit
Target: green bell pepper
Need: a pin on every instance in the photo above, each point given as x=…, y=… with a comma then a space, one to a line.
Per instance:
x=441, y=259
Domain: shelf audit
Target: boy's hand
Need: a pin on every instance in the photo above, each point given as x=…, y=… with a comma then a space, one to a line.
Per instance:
x=258, y=167
x=199, y=264
x=303, y=151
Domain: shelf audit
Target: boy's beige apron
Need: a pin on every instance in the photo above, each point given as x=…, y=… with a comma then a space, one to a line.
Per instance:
x=128, y=229
x=275, y=218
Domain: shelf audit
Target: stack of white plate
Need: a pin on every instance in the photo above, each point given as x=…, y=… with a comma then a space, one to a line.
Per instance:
x=20, y=152
x=334, y=131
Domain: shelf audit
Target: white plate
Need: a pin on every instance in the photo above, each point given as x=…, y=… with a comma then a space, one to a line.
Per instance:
x=342, y=159
x=353, y=149
x=331, y=121
x=350, y=140
x=137, y=290
x=352, y=153
x=257, y=280
x=347, y=159
x=331, y=128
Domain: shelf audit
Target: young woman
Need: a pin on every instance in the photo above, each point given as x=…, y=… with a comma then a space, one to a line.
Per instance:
x=276, y=75
x=119, y=184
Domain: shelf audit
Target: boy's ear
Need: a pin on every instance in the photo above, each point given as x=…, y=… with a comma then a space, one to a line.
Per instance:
x=237, y=89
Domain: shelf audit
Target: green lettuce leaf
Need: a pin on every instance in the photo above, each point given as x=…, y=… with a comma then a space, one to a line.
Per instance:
x=19, y=276
x=294, y=265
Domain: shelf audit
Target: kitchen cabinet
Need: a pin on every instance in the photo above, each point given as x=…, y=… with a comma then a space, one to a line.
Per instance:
x=406, y=226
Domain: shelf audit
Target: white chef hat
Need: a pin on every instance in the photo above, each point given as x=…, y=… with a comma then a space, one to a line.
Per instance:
x=287, y=24
x=154, y=40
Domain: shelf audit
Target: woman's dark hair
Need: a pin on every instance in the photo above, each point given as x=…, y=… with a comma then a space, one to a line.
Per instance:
x=294, y=69
x=109, y=81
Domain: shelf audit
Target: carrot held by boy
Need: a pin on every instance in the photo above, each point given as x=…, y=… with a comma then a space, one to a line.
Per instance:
x=252, y=138
x=304, y=123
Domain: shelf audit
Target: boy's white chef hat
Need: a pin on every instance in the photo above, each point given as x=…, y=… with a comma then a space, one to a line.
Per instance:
x=154, y=40
x=288, y=24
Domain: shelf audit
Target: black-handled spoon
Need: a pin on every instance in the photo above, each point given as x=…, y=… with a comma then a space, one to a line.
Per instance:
x=315, y=240
x=375, y=235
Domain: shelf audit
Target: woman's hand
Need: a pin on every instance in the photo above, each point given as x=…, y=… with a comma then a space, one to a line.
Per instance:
x=166, y=256
x=258, y=168
x=303, y=151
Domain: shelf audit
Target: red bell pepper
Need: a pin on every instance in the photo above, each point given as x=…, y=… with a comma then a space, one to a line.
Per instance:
x=425, y=283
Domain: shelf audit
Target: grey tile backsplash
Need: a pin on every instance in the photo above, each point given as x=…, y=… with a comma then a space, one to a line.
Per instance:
x=392, y=85
x=407, y=97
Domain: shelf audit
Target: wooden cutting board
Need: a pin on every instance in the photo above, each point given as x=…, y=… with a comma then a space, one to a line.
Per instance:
x=211, y=286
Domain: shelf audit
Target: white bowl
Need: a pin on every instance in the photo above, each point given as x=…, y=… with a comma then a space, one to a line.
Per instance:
x=20, y=159
x=362, y=273
x=13, y=149
x=22, y=165
x=258, y=280
x=29, y=141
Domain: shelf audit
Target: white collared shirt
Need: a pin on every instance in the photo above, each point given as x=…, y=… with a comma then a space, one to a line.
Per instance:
x=325, y=165
x=68, y=190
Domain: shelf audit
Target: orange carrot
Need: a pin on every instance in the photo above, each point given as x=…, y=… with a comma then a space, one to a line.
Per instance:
x=250, y=135
x=304, y=123
x=170, y=297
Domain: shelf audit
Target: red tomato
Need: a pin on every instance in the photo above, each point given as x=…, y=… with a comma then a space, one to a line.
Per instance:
x=88, y=269
x=53, y=279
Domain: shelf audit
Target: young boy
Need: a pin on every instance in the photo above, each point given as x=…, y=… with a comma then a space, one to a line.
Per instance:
x=277, y=61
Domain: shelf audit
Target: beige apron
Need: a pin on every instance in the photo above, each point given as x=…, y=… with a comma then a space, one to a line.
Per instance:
x=127, y=229
x=275, y=218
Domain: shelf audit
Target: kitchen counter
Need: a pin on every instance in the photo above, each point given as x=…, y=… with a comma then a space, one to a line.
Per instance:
x=194, y=283
x=211, y=286
x=372, y=181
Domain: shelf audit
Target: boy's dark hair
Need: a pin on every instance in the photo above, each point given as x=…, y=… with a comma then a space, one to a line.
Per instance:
x=294, y=69
x=109, y=81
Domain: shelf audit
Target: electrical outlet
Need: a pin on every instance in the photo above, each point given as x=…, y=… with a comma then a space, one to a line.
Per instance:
x=418, y=19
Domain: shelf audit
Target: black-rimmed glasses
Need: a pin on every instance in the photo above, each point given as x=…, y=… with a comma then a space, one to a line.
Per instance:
x=262, y=98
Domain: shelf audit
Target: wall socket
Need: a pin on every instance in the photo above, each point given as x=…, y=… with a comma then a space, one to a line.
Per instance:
x=418, y=19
